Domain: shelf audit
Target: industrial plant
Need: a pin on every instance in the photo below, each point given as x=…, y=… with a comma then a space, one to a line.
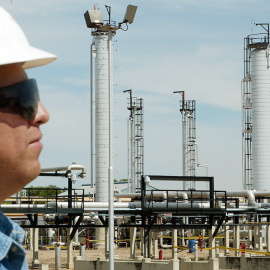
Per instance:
x=233, y=226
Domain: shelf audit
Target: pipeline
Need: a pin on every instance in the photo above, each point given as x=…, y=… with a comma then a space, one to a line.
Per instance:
x=130, y=205
x=155, y=195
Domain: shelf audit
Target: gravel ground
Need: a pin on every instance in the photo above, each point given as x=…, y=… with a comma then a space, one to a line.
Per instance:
x=48, y=256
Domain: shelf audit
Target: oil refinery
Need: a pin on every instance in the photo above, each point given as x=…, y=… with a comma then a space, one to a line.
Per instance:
x=191, y=214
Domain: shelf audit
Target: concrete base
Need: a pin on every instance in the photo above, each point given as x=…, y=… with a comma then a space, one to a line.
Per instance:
x=43, y=267
x=70, y=265
x=35, y=263
x=244, y=263
x=146, y=264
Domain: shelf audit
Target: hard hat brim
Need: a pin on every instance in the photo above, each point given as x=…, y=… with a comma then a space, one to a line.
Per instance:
x=29, y=56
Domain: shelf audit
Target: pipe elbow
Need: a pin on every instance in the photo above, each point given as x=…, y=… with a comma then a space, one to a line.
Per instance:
x=251, y=198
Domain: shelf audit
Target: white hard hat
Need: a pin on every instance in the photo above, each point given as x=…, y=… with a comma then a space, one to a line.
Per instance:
x=15, y=48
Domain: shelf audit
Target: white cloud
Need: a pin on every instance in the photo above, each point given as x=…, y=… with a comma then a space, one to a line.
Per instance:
x=204, y=74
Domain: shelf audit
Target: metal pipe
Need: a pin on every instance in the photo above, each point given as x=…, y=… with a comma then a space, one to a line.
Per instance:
x=110, y=169
x=161, y=242
x=92, y=117
x=244, y=193
x=22, y=206
x=128, y=153
x=130, y=205
x=162, y=194
x=67, y=168
x=58, y=257
x=261, y=193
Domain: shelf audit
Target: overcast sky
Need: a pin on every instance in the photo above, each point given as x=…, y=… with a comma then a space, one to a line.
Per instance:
x=194, y=45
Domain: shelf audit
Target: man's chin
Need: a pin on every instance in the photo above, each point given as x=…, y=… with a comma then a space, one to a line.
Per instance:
x=32, y=173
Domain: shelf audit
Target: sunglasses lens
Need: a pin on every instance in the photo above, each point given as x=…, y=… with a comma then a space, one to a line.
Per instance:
x=20, y=99
x=29, y=98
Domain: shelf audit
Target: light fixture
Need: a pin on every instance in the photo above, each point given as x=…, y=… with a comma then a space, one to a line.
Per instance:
x=147, y=180
x=130, y=14
x=93, y=18
x=73, y=178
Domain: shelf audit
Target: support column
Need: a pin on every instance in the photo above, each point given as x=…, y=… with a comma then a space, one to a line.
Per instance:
x=227, y=241
x=35, y=261
x=174, y=244
x=70, y=264
x=267, y=238
x=133, y=231
x=183, y=237
x=150, y=244
x=257, y=237
x=250, y=237
x=50, y=236
x=211, y=242
x=155, y=245
x=31, y=239
x=142, y=242
x=107, y=243
x=100, y=237
x=236, y=240
x=58, y=257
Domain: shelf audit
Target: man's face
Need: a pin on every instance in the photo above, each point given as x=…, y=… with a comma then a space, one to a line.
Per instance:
x=20, y=144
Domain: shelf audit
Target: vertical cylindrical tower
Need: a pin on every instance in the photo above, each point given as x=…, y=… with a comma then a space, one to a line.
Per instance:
x=260, y=89
x=102, y=115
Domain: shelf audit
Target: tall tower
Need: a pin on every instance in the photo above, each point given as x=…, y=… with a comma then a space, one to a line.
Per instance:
x=135, y=142
x=102, y=127
x=188, y=111
x=102, y=113
x=258, y=101
x=102, y=96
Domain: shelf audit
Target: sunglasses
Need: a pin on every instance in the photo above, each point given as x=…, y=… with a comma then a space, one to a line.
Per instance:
x=21, y=98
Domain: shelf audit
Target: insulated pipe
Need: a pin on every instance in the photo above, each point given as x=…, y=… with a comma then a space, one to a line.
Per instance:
x=261, y=193
x=67, y=168
x=244, y=193
x=161, y=194
x=161, y=242
x=265, y=205
x=22, y=206
x=87, y=205
x=130, y=205
x=196, y=194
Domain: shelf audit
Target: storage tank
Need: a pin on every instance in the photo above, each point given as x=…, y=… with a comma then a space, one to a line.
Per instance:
x=260, y=90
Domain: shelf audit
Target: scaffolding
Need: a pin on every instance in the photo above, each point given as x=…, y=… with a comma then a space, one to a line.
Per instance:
x=247, y=120
x=188, y=111
x=135, y=142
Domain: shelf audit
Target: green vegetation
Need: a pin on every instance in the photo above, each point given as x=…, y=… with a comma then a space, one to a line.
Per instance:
x=40, y=191
x=121, y=180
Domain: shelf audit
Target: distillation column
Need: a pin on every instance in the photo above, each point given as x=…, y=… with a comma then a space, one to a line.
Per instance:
x=260, y=87
x=102, y=116
x=101, y=122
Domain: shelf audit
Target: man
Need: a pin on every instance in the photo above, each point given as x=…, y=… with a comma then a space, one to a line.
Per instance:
x=21, y=115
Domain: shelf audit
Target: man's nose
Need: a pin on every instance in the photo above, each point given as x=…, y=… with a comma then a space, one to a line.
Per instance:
x=42, y=115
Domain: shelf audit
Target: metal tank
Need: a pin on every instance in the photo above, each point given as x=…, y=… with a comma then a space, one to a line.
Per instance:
x=260, y=89
x=102, y=115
